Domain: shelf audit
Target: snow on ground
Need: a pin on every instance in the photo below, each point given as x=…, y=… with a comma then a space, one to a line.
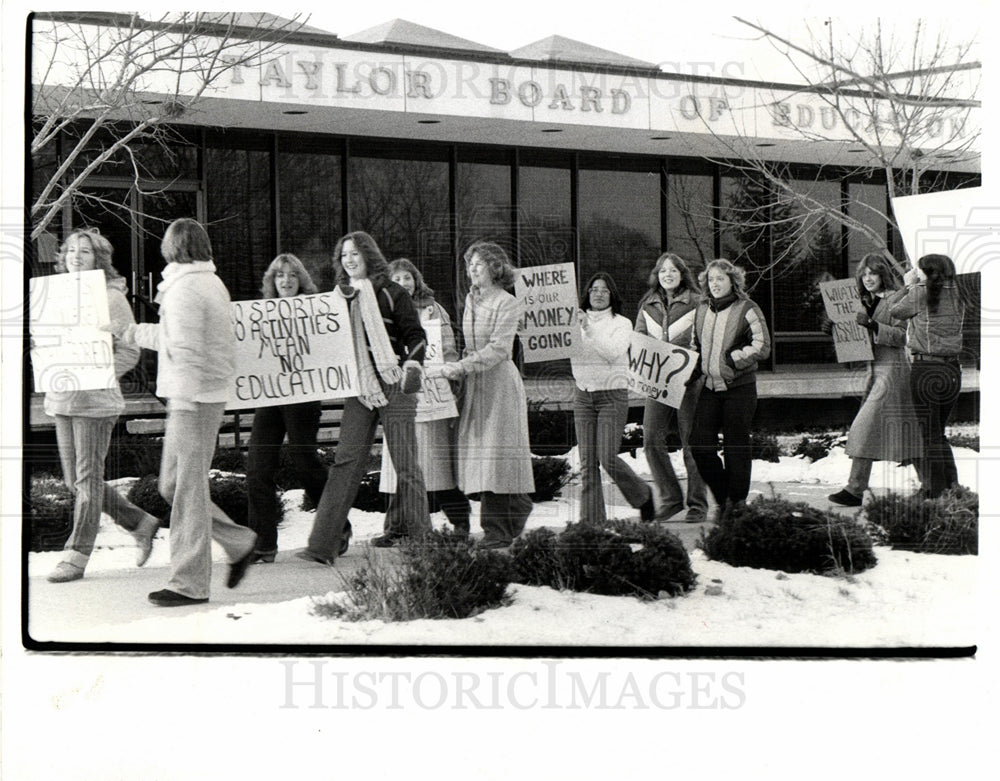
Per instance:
x=908, y=599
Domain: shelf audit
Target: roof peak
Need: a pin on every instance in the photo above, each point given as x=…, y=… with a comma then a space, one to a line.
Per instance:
x=404, y=32
x=558, y=48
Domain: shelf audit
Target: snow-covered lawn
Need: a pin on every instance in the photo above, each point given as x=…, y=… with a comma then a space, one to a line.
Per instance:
x=908, y=599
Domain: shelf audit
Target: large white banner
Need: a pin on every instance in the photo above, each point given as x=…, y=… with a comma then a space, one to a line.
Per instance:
x=962, y=224
x=549, y=329
x=69, y=350
x=290, y=350
x=843, y=302
x=659, y=370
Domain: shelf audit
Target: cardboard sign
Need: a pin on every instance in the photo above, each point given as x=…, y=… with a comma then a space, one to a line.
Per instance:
x=962, y=224
x=70, y=351
x=842, y=302
x=435, y=400
x=290, y=350
x=659, y=370
x=548, y=328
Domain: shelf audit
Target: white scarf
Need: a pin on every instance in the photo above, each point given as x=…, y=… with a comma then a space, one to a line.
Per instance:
x=367, y=314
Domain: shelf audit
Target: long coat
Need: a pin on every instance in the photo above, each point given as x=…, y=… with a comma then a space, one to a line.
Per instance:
x=493, y=450
x=885, y=428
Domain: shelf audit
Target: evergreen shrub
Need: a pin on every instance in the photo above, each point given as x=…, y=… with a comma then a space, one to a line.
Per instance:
x=623, y=558
x=133, y=456
x=551, y=474
x=440, y=576
x=228, y=491
x=771, y=533
x=51, y=518
x=814, y=446
x=764, y=447
x=948, y=524
x=551, y=432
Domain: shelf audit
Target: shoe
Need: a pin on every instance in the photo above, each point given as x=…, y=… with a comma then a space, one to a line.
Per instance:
x=65, y=572
x=845, y=498
x=648, y=510
x=695, y=516
x=144, y=536
x=263, y=557
x=387, y=540
x=669, y=513
x=345, y=540
x=305, y=555
x=493, y=544
x=238, y=569
x=167, y=598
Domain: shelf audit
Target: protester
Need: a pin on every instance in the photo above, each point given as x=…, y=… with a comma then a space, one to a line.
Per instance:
x=387, y=332
x=284, y=278
x=667, y=312
x=436, y=444
x=933, y=307
x=84, y=422
x=494, y=457
x=732, y=337
x=600, y=404
x=196, y=349
x=885, y=428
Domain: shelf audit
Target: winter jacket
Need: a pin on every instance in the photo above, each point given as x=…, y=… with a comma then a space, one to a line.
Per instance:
x=194, y=337
x=602, y=360
x=666, y=312
x=104, y=402
x=402, y=322
x=732, y=337
x=938, y=333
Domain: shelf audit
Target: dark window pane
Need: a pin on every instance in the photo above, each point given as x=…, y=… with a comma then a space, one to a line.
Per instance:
x=544, y=212
x=866, y=204
x=239, y=217
x=690, y=227
x=403, y=204
x=483, y=197
x=619, y=230
x=310, y=211
x=110, y=211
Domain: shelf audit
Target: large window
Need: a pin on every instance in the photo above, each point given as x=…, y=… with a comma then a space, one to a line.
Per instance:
x=545, y=220
x=482, y=196
x=866, y=203
x=619, y=216
x=690, y=223
x=309, y=209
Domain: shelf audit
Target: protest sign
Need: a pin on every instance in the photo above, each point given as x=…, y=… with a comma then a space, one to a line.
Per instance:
x=842, y=302
x=549, y=329
x=962, y=224
x=290, y=350
x=434, y=400
x=69, y=349
x=659, y=370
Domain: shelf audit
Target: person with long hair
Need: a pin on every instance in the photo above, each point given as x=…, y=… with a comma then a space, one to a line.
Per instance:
x=885, y=428
x=436, y=444
x=85, y=420
x=387, y=333
x=666, y=312
x=196, y=365
x=932, y=305
x=732, y=337
x=285, y=277
x=600, y=404
x=494, y=457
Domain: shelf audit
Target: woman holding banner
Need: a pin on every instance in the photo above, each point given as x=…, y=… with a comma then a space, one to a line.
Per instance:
x=284, y=278
x=732, y=337
x=386, y=331
x=494, y=459
x=85, y=420
x=667, y=312
x=885, y=428
x=436, y=445
x=933, y=308
x=196, y=349
x=600, y=406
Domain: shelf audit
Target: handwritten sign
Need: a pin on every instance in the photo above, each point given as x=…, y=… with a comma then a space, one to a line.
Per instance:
x=435, y=400
x=290, y=350
x=548, y=328
x=659, y=370
x=843, y=303
x=70, y=351
x=962, y=224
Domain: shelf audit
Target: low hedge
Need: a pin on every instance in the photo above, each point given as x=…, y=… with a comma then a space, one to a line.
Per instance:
x=948, y=524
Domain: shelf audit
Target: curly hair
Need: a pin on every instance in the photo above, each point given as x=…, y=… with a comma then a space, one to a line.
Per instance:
x=421, y=291
x=376, y=266
x=186, y=241
x=878, y=265
x=306, y=284
x=687, y=282
x=99, y=244
x=501, y=269
x=737, y=276
x=616, y=299
x=940, y=271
